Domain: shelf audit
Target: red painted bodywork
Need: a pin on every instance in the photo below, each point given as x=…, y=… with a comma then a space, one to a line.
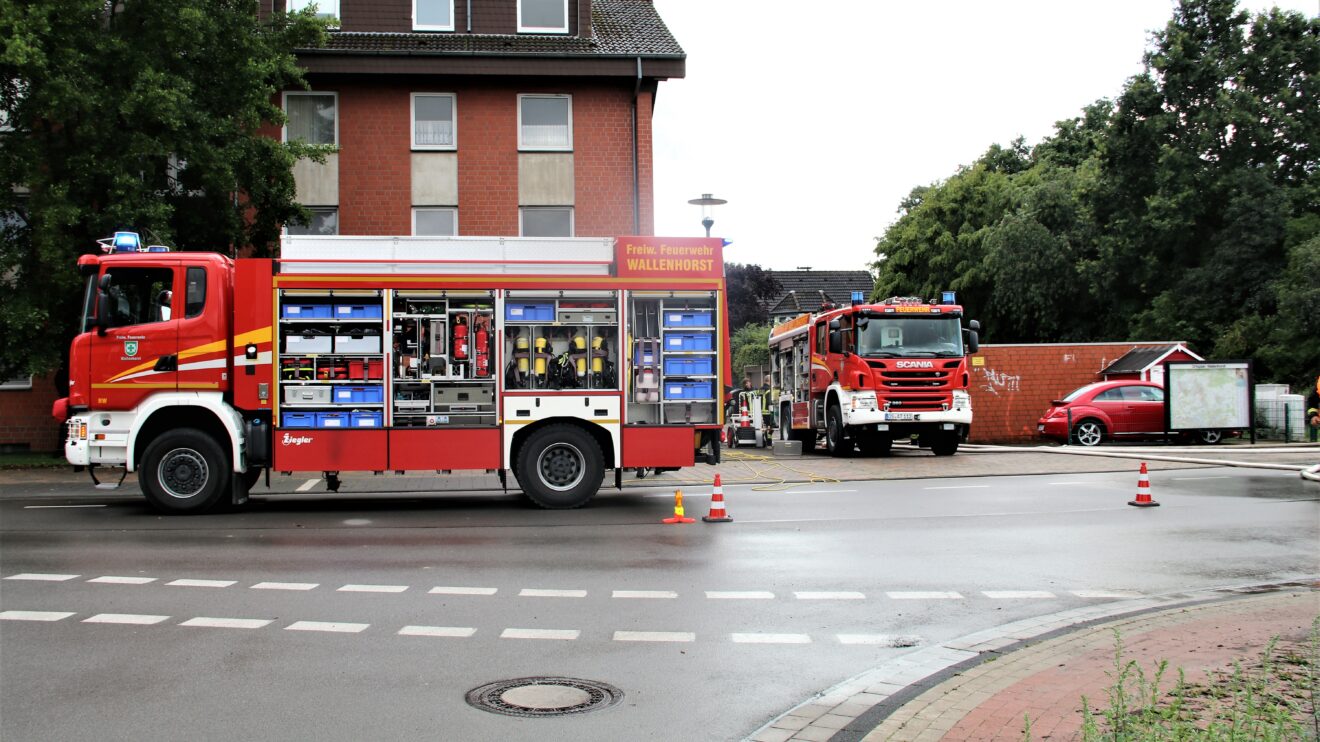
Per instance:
x=657, y=446
x=458, y=448
x=318, y=449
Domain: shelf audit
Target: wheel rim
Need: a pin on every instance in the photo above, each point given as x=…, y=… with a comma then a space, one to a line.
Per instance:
x=1088, y=434
x=832, y=430
x=183, y=473
x=561, y=466
x=1210, y=436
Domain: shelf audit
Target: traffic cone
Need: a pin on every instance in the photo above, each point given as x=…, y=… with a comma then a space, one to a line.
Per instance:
x=1143, y=491
x=717, y=514
x=679, y=517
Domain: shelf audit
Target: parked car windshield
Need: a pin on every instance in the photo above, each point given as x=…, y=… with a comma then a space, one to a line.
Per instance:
x=911, y=336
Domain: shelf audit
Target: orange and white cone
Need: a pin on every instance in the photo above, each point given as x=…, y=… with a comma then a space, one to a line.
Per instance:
x=717, y=514
x=1143, y=491
x=679, y=516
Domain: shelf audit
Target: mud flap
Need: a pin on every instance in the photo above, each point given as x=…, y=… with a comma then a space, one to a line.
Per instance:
x=238, y=493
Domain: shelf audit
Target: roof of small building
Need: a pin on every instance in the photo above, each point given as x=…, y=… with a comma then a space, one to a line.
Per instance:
x=805, y=291
x=625, y=28
x=1138, y=360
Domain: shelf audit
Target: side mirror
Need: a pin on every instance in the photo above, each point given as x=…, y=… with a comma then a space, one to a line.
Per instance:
x=973, y=341
x=974, y=325
x=836, y=340
x=863, y=321
x=102, y=319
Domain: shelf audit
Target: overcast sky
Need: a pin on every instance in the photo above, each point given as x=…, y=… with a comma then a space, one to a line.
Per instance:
x=814, y=128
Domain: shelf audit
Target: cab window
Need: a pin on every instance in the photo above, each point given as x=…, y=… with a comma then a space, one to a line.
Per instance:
x=139, y=296
x=822, y=339
x=195, y=301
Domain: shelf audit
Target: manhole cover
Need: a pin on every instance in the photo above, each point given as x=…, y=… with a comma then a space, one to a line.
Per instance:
x=543, y=696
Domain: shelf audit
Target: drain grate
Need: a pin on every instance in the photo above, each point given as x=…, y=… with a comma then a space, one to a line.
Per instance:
x=546, y=696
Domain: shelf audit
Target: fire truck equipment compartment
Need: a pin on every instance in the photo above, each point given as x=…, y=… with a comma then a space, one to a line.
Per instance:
x=357, y=311
x=689, y=390
x=307, y=395
x=359, y=395
x=332, y=419
x=366, y=419
x=588, y=316
x=697, y=366
x=348, y=450
x=307, y=310
x=688, y=341
x=364, y=340
x=700, y=318
x=298, y=420
x=307, y=343
x=529, y=312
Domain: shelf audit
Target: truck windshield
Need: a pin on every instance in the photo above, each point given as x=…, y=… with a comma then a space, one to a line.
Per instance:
x=904, y=336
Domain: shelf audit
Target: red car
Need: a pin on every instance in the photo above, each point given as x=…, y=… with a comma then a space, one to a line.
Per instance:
x=1111, y=410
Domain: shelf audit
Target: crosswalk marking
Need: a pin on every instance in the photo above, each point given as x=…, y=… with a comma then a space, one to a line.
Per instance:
x=926, y=595
x=645, y=594
x=335, y=627
x=461, y=632
x=1115, y=594
x=113, y=580
x=372, y=588
x=42, y=577
x=286, y=586
x=560, y=634
x=534, y=593
x=228, y=623
x=33, y=615
x=878, y=640
x=740, y=595
x=1016, y=594
x=125, y=618
x=202, y=583
x=654, y=636
x=843, y=595
x=463, y=590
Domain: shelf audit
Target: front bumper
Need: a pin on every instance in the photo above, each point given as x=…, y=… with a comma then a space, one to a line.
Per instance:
x=897, y=420
x=76, y=448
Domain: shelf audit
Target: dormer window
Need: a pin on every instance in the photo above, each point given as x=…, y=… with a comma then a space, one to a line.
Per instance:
x=542, y=16
x=433, y=15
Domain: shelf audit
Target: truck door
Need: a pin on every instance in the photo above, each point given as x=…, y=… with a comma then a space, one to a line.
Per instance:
x=204, y=346
x=138, y=354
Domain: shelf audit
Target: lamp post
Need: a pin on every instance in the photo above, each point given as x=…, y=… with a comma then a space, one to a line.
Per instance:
x=707, y=202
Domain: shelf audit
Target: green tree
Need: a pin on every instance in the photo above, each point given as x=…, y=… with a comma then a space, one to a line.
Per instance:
x=751, y=347
x=137, y=114
x=750, y=289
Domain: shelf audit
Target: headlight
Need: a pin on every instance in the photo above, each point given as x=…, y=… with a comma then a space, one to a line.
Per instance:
x=961, y=399
x=863, y=401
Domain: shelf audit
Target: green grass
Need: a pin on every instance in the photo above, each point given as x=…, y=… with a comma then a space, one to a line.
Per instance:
x=28, y=460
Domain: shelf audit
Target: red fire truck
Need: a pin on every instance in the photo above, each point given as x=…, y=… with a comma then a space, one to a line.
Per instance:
x=866, y=374
x=557, y=359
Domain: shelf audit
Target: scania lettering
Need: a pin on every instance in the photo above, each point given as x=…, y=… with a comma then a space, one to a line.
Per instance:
x=865, y=375
x=555, y=359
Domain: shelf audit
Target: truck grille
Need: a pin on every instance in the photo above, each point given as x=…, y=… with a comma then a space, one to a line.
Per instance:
x=915, y=390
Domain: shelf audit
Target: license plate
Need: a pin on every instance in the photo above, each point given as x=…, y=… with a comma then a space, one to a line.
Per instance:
x=900, y=416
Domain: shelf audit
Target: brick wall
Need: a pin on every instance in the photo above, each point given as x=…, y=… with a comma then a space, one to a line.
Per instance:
x=1014, y=384
x=375, y=145
x=25, y=419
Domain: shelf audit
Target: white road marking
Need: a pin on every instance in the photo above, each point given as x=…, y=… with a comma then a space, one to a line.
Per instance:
x=771, y=638
x=533, y=593
x=463, y=590
x=336, y=627
x=1106, y=594
x=461, y=632
x=113, y=580
x=926, y=595
x=52, y=507
x=305, y=486
x=42, y=577
x=961, y=487
x=561, y=634
x=740, y=595
x=286, y=586
x=372, y=589
x=844, y=595
x=33, y=615
x=644, y=594
x=202, y=583
x=879, y=640
x=228, y=623
x=1016, y=594
x=125, y=618
x=654, y=636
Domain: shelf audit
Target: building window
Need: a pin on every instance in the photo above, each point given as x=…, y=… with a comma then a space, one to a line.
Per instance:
x=312, y=118
x=17, y=383
x=433, y=221
x=433, y=121
x=433, y=15
x=546, y=221
x=545, y=122
x=543, y=16
x=324, y=220
x=324, y=8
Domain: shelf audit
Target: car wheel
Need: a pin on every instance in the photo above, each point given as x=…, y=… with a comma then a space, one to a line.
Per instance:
x=1089, y=432
x=560, y=467
x=184, y=472
x=944, y=444
x=1209, y=437
x=835, y=442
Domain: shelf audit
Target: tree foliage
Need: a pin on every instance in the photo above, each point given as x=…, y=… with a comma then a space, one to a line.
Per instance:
x=749, y=289
x=1188, y=208
x=137, y=114
x=750, y=345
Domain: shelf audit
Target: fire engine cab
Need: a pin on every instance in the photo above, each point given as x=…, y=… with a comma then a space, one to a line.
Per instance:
x=864, y=375
x=556, y=359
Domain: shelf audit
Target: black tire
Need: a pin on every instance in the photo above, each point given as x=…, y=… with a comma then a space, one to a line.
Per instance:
x=185, y=472
x=836, y=442
x=1209, y=437
x=560, y=467
x=875, y=444
x=944, y=444
x=1089, y=432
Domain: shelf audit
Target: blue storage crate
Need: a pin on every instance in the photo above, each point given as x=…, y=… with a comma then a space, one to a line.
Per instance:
x=359, y=395
x=689, y=390
x=519, y=312
x=357, y=311
x=688, y=341
x=366, y=419
x=332, y=419
x=690, y=318
x=700, y=366
x=306, y=310
x=298, y=420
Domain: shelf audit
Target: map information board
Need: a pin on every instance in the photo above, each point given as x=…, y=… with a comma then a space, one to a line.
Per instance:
x=1208, y=396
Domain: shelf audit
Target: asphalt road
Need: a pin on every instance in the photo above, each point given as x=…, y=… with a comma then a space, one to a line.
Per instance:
x=370, y=617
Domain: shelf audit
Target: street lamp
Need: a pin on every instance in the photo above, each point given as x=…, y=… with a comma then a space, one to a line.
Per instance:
x=707, y=202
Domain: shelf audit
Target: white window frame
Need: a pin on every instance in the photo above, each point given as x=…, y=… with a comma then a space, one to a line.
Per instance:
x=539, y=148
x=284, y=103
x=541, y=29
x=412, y=121
x=572, y=218
x=20, y=383
x=451, y=209
x=421, y=27
x=310, y=207
x=328, y=8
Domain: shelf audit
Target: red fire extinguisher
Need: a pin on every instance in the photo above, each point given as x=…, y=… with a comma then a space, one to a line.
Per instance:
x=461, y=339
x=482, y=336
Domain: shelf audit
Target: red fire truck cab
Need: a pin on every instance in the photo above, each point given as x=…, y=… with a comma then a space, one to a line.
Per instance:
x=556, y=359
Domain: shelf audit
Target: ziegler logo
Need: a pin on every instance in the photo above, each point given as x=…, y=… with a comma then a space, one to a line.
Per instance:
x=915, y=364
x=290, y=440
